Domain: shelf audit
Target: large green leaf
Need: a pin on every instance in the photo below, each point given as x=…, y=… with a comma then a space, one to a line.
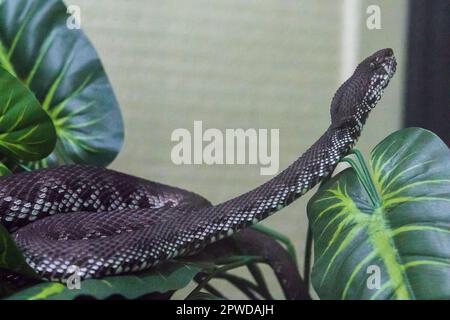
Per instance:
x=169, y=276
x=26, y=131
x=11, y=257
x=400, y=234
x=63, y=70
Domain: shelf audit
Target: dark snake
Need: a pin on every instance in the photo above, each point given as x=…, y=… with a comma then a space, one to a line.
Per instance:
x=108, y=223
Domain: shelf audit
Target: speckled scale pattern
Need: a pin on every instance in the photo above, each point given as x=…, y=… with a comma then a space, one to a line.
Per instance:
x=106, y=223
x=27, y=197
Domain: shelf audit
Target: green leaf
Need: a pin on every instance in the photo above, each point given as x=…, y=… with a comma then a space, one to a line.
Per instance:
x=204, y=296
x=11, y=257
x=26, y=131
x=403, y=239
x=4, y=171
x=172, y=275
x=63, y=70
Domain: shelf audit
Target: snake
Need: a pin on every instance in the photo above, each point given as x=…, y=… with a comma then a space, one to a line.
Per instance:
x=106, y=223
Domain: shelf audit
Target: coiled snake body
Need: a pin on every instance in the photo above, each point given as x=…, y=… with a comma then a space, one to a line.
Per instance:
x=105, y=222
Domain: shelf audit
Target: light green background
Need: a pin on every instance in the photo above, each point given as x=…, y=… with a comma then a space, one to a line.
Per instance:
x=233, y=64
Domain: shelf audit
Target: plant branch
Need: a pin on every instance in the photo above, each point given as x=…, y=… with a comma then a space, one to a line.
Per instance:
x=244, y=261
x=279, y=237
x=256, y=273
x=214, y=291
x=250, y=242
x=242, y=284
x=308, y=254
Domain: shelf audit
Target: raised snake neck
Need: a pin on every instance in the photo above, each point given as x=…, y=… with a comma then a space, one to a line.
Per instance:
x=100, y=222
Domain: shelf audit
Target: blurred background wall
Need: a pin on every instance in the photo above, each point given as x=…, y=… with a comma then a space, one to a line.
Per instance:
x=237, y=64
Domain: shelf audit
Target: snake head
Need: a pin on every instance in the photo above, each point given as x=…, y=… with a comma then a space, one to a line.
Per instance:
x=355, y=99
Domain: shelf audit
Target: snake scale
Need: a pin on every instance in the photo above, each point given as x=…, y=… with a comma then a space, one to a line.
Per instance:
x=107, y=223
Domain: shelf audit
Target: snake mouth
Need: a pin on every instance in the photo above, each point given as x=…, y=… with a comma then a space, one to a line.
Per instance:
x=384, y=65
x=390, y=66
x=387, y=69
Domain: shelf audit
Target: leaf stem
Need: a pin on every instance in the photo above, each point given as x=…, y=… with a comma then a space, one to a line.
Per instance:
x=365, y=168
x=308, y=254
x=260, y=281
x=280, y=237
x=5, y=61
x=247, y=287
x=214, y=291
x=363, y=179
x=234, y=265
